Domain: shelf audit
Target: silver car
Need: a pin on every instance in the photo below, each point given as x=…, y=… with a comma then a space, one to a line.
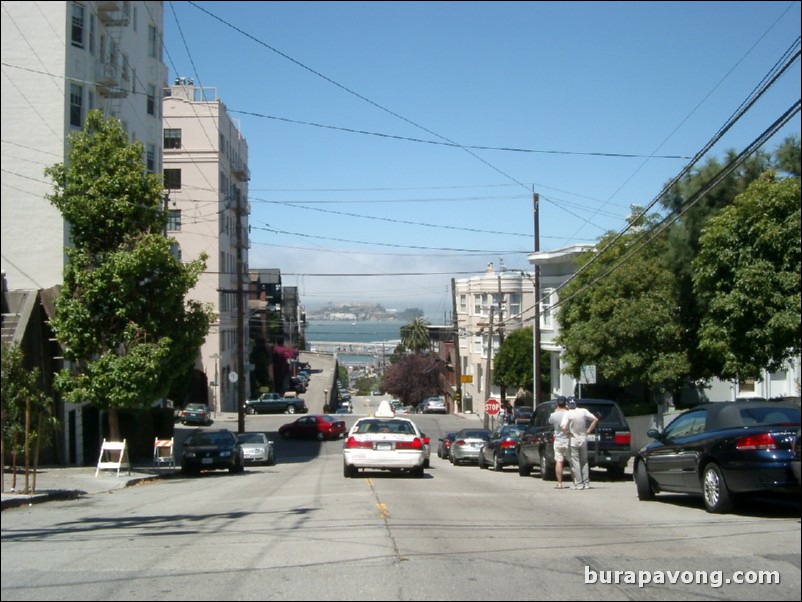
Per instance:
x=466, y=445
x=257, y=449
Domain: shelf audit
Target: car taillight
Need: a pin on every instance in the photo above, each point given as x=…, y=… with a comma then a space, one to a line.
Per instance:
x=426, y=440
x=414, y=444
x=507, y=444
x=623, y=438
x=352, y=443
x=751, y=442
x=459, y=442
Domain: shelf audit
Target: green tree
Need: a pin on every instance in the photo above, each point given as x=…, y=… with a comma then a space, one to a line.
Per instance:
x=415, y=335
x=620, y=314
x=747, y=278
x=26, y=412
x=122, y=316
x=512, y=365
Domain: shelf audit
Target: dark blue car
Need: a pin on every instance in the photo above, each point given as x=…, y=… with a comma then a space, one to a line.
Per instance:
x=500, y=451
x=720, y=451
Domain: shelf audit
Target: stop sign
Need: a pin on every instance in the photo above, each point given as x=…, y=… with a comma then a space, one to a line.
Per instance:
x=492, y=407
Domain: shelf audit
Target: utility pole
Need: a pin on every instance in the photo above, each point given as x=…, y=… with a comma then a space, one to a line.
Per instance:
x=240, y=323
x=457, y=361
x=536, y=326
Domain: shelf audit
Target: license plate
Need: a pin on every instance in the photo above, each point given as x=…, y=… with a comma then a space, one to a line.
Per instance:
x=206, y=461
x=591, y=437
x=384, y=446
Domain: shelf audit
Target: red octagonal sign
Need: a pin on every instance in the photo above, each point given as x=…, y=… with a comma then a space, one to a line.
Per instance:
x=492, y=407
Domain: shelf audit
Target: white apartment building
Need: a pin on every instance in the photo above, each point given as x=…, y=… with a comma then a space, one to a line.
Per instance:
x=509, y=296
x=60, y=60
x=206, y=176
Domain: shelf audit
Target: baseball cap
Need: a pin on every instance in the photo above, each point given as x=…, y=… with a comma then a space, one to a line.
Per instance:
x=561, y=401
x=571, y=402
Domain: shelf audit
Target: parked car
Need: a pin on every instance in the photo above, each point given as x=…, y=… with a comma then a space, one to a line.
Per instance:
x=384, y=442
x=316, y=426
x=522, y=415
x=796, y=463
x=196, y=413
x=500, y=450
x=721, y=450
x=610, y=446
x=444, y=447
x=257, y=449
x=466, y=445
x=434, y=405
x=273, y=403
x=211, y=450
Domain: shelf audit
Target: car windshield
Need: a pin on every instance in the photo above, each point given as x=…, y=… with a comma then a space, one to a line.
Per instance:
x=735, y=415
x=400, y=427
x=195, y=407
x=252, y=438
x=607, y=413
x=475, y=435
x=211, y=439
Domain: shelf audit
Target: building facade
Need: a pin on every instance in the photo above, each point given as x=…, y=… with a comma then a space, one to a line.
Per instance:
x=62, y=59
x=206, y=176
x=487, y=307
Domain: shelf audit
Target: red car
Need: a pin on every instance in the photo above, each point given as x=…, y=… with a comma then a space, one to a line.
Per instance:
x=317, y=426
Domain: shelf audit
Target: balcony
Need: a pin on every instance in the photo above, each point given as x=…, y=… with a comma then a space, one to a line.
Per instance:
x=111, y=14
x=109, y=80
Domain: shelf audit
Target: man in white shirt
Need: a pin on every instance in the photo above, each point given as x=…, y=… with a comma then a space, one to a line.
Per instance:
x=575, y=425
x=561, y=442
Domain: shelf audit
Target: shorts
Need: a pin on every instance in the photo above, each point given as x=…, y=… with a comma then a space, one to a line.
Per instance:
x=561, y=452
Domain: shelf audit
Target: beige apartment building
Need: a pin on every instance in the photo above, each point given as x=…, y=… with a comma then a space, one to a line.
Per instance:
x=206, y=176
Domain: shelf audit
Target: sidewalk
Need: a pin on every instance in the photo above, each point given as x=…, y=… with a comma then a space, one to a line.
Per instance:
x=72, y=482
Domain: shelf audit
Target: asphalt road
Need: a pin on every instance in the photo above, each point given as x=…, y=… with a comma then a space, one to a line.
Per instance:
x=301, y=531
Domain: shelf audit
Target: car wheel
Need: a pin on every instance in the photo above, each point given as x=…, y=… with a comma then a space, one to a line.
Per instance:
x=349, y=472
x=250, y=410
x=547, y=473
x=497, y=465
x=320, y=436
x=286, y=434
x=452, y=460
x=481, y=461
x=524, y=469
x=291, y=410
x=271, y=459
x=417, y=472
x=642, y=484
x=717, y=496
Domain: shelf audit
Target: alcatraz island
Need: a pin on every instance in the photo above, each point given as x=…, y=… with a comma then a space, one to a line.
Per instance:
x=363, y=312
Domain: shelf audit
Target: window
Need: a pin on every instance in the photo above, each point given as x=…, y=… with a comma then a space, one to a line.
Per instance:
x=151, y=99
x=546, y=314
x=172, y=138
x=150, y=158
x=78, y=24
x=92, y=34
x=515, y=304
x=172, y=179
x=76, y=105
x=174, y=219
x=463, y=304
x=153, y=37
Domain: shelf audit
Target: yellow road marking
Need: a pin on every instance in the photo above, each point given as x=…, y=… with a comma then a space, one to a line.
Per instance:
x=384, y=513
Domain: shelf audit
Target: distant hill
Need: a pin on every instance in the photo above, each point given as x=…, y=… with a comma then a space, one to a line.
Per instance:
x=363, y=312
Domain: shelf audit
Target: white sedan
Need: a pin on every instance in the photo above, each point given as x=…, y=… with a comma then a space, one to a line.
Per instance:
x=384, y=442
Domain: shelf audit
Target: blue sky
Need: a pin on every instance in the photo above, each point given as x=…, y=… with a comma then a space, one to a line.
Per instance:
x=384, y=184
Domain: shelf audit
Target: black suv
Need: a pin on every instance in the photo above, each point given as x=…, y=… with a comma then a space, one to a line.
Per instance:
x=610, y=448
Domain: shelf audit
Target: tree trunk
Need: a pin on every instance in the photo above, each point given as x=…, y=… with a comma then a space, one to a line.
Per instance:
x=114, y=425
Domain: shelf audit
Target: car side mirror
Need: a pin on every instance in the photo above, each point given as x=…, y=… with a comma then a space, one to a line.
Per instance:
x=654, y=434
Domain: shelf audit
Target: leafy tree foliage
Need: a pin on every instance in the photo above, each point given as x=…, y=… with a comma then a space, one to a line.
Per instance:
x=620, y=314
x=121, y=316
x=747, y=277
x=415, y=335
x=414, y=378
x=512, y=365
x=26, y=411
